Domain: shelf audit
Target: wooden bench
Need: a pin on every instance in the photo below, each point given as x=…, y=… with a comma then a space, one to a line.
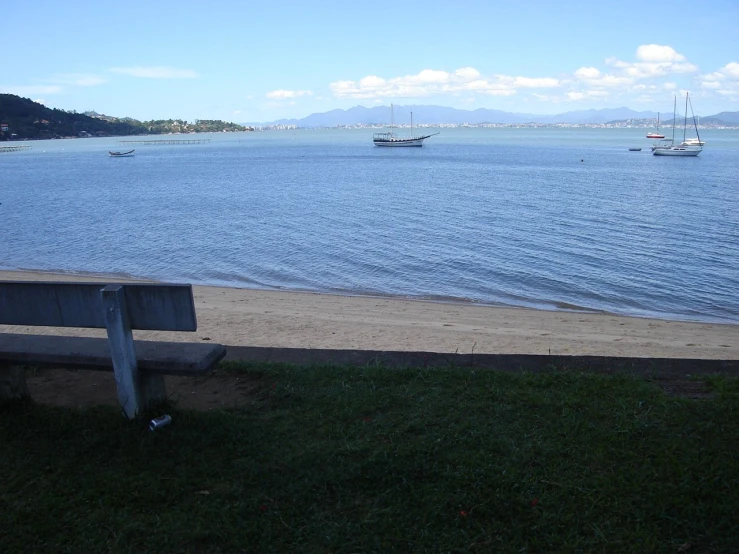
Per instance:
x=139, y=366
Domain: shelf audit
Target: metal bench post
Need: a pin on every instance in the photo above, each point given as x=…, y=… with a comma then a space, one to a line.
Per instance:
x=135, y=390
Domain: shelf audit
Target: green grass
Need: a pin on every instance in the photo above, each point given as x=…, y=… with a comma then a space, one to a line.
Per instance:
x=384, y=460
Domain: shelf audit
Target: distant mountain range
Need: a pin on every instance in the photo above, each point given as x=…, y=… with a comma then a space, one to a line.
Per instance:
x=723, y=118
x=435, y=115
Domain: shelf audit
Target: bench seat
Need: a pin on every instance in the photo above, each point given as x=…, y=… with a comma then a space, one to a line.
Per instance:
x=156, y=357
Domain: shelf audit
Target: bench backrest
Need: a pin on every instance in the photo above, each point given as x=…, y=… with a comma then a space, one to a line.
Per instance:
x=154, y=307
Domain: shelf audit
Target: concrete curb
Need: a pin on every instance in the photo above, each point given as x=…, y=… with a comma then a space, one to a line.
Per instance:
x=656, y=367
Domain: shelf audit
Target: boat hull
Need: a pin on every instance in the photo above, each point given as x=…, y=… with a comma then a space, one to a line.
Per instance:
x=677, y=151
x=418, y=141
x=127, y=154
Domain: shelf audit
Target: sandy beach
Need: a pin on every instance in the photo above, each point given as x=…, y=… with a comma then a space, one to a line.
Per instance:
x=246, y=317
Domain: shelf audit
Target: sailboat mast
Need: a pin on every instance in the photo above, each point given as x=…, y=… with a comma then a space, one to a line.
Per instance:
x=685, y=121
x=411, y=123
x=674, y=108
x=695, y=124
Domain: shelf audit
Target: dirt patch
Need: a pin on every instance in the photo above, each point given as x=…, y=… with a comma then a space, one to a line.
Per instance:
x=83, y=389
x=683, y=388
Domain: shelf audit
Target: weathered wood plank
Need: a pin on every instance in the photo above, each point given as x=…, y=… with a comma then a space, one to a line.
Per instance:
x=155, y=306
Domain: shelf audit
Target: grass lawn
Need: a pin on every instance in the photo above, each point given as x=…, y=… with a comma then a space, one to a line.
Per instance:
x=334, y=459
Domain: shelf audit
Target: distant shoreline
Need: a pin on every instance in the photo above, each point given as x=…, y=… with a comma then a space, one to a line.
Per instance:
x=369, y=127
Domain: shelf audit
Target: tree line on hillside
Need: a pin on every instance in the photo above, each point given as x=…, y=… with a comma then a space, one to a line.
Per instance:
x=22, y=118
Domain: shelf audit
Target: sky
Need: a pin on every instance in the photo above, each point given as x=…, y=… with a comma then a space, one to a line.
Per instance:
x=259, y=61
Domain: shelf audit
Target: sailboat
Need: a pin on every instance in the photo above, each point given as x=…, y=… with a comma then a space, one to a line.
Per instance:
x=391, y=139
x=688, y=147
x=655, y=134
x=666, y=143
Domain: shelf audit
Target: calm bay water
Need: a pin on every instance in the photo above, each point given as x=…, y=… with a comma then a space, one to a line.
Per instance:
x=544, y=218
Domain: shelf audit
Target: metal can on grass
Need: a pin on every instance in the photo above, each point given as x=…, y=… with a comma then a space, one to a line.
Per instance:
x=159, y=422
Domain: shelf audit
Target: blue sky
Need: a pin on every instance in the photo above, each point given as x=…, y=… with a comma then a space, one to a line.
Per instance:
x=254, y=61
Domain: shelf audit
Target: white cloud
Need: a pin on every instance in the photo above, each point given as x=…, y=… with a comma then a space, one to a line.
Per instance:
x=655, y=61
x=431, y=82
x=40, y=100
x=529, y=82
x=372, y=81
x=588, y=94
x=427, y=76
x=586, y=73
x=285, y=94
x=156, y=72
x=467, y=73
x=658, y=53
x=647, y=77
x=724, y=82
x=731, y=69
x=594, y=78
x=29, y=90
x=498, y=91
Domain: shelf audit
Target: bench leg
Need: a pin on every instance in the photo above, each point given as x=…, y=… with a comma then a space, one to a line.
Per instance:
x=13, y=383
x=136, y=390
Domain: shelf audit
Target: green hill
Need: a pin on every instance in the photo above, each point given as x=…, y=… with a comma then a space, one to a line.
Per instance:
x=26, y=119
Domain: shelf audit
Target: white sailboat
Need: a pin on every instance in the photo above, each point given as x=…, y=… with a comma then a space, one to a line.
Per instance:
x=688, y=147
x=391, y=139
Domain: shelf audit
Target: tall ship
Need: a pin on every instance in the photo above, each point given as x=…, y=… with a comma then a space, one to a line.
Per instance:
x=389, y=138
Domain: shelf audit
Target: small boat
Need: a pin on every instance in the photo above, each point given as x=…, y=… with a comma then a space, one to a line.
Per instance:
x=693, y=142
x=391, y=139
x=688, y=147
x=656, y=134
x=634, y=149
x=121, y=154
